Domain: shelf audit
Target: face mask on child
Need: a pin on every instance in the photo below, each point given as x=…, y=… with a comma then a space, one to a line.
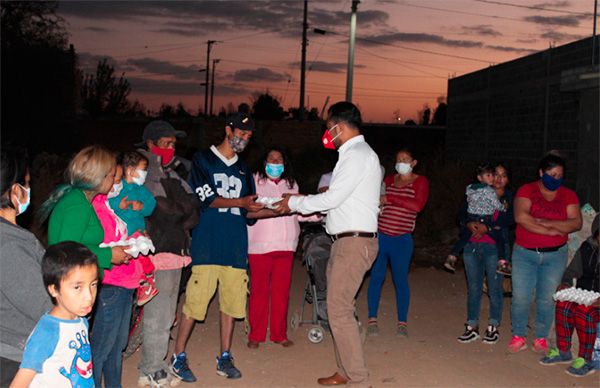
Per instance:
x=116, y=190
x=23, y=206
x=141, y=178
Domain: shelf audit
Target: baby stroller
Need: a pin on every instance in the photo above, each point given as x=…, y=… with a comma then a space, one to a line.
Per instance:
x=316, y=247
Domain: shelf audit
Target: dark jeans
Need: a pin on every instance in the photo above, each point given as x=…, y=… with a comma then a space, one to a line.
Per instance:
x=498, y=235
x=110, y=333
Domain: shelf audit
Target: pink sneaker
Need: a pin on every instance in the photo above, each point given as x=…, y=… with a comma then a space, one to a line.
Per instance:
x=145, y=292
x=516, y=344
x=540, y=345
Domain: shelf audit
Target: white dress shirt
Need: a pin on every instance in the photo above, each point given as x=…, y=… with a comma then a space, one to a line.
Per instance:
x=352, y=201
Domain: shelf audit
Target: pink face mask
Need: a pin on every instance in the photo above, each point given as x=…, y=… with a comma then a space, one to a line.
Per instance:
x=328, y=140
x=166, y=154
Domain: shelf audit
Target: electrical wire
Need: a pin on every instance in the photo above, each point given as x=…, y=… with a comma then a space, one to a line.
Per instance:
x=535, y=7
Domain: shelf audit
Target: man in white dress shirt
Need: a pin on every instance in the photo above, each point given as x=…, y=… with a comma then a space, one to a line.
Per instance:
x=352, y=206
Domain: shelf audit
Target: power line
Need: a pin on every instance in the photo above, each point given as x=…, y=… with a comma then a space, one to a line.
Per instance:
x=535, y=7
x=155, y=51
x=470, y=13
x=397, y=62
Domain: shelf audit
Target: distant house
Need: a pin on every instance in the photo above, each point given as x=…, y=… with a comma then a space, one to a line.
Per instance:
x=517, y=111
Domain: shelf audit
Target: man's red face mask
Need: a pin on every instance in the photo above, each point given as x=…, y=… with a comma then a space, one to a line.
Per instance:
x=328, y=140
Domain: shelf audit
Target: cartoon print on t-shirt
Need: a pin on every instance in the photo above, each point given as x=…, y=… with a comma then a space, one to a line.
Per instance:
x=80, y=374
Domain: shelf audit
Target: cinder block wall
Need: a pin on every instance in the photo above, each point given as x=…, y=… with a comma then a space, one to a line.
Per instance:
x=499, y=113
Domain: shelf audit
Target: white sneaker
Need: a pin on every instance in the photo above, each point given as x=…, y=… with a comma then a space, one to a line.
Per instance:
x=159, y=379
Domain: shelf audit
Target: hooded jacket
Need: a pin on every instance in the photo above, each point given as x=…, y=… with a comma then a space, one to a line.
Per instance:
x=585, y=266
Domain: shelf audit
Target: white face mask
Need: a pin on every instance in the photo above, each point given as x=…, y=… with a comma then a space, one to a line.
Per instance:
x=141, y=178
x=116, y=190
x=403, y=168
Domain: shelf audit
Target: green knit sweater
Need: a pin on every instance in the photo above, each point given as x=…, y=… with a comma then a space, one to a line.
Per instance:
x=74, y=219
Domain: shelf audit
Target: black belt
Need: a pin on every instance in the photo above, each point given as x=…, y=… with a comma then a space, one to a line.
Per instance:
x=353, y=234
x=547, y=249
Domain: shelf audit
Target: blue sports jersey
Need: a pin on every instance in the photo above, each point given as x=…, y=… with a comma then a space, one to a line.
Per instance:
x=221, y=236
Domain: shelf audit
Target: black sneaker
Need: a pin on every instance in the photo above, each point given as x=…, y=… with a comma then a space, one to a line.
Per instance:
x=179, y=367
x=470, y=335
x=491, y=335
x=226, y=368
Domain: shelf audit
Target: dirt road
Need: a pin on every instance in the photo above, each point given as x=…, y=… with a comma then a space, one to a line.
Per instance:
x=430, y=357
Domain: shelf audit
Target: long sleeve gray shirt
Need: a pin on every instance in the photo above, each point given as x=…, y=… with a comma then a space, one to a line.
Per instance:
x=23, y=298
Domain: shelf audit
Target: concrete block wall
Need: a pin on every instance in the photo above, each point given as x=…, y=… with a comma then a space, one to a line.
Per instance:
x=515, y=112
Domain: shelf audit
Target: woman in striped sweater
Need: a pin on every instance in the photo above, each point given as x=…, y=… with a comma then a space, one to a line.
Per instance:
x=405, y=196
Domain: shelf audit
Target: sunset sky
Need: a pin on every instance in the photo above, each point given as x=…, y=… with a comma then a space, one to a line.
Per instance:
x=406, y=49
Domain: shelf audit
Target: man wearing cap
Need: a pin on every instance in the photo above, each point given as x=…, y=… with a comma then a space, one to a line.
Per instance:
x=225, y=187
x=174, y=216
x=352, y=206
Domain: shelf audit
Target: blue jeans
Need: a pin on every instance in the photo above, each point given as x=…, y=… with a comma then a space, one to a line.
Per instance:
x=398, y=251
x=541, y=272
x=110, y=333
x=480, y=261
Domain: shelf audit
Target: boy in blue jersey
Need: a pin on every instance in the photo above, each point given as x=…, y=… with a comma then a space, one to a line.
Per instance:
x=225, y=188
x=57, y=352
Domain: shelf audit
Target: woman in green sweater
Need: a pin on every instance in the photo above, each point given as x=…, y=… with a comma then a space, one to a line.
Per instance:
x=72, y=217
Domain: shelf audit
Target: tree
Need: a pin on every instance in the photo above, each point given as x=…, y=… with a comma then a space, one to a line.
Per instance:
x=426, y=115
x=32, y=23
x=166, y=111
x=103, y=93
x=38, y=77
x=267, y=107
x=311, y=114
x=439, y=116
x=180, y=111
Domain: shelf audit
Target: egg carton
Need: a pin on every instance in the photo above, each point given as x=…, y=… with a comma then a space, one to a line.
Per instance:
x=576, y=295
x=140, y=245
x=269, y=202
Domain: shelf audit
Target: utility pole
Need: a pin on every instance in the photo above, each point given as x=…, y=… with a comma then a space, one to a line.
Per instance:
x=212, y=85
x=209, y=44
x=351, y=51
x=303, y=62
x=594, y=39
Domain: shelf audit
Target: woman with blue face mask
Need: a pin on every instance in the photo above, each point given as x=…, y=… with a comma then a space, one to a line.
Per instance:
x=272, y=242
x=545, y=212
x=22, y=294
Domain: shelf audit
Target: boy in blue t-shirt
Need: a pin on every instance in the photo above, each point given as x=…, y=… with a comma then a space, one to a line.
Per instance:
x=57, y=353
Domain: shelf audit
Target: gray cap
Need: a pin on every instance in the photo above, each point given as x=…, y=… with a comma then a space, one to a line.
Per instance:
x=240, y=121
x=157, y=129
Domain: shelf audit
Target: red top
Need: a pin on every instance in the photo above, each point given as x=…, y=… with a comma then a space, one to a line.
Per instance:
x=404, y=203
x=541, y=208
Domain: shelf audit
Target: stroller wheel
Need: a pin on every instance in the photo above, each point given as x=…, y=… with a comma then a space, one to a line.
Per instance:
x=315, y=335
x=295, y=321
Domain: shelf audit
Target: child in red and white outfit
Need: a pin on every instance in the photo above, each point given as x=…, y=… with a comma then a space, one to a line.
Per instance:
x=132, y=204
